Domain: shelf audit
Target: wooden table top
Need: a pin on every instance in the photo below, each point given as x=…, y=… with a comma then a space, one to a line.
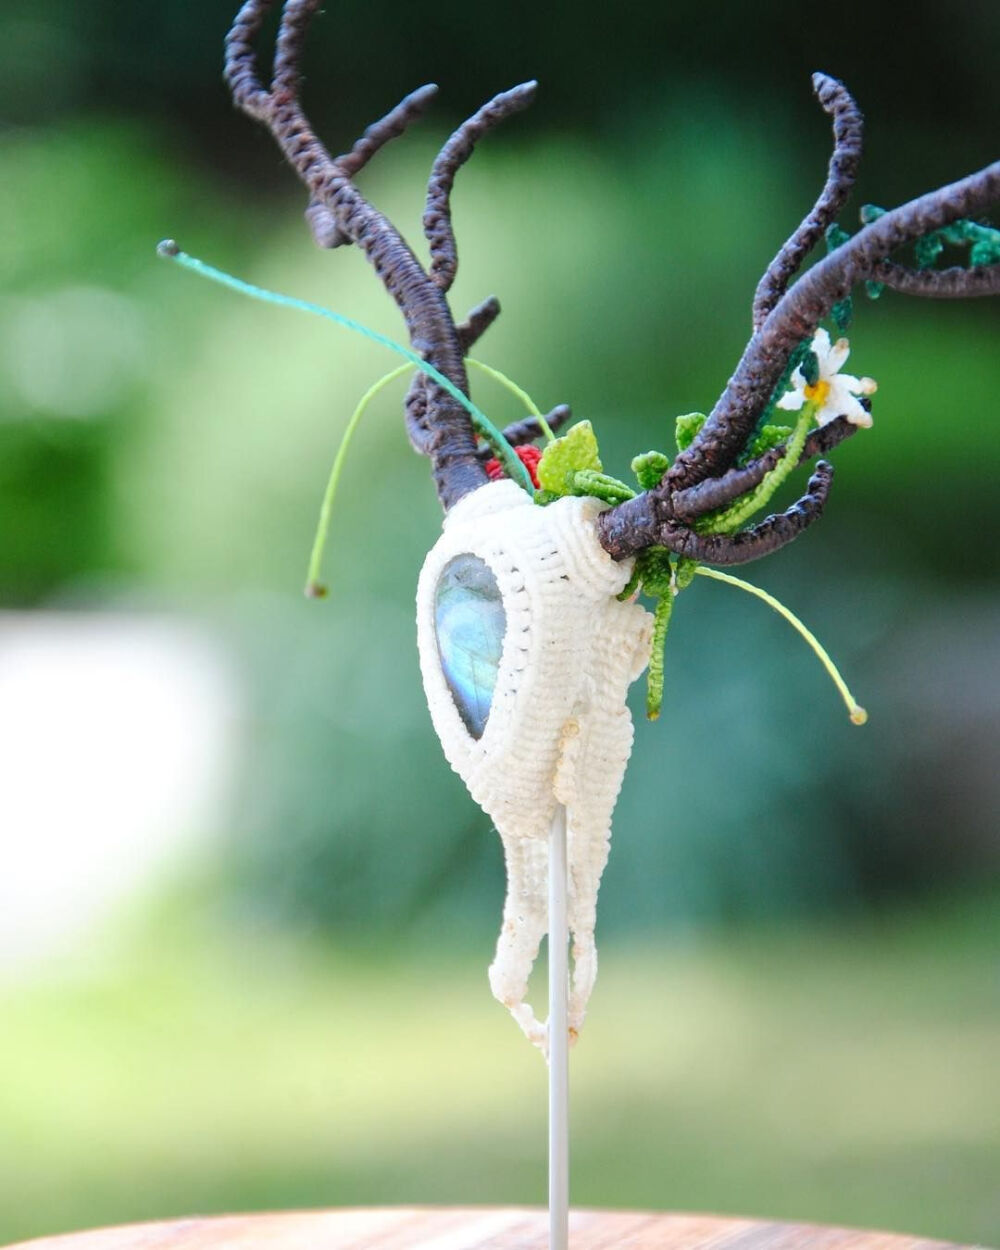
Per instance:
x=474, y=1228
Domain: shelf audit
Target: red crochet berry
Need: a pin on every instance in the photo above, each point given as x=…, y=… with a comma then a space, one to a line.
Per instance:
x=528, y=455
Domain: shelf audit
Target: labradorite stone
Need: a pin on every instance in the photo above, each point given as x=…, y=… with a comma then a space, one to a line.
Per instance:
x=470, y=624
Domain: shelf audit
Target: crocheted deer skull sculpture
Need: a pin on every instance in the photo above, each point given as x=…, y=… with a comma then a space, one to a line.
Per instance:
x=526, y=650
x=526, y=656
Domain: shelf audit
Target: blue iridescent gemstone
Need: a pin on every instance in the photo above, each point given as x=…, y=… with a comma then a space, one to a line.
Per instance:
x=470, y=624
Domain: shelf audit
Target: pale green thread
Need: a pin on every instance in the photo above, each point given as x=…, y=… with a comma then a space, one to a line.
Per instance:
x=516, y=390
x=315, y=588
x=856, y=712
x=744, y=508
x=484, y=427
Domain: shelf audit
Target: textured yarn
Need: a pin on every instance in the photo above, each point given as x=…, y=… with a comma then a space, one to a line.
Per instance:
x=558, y=730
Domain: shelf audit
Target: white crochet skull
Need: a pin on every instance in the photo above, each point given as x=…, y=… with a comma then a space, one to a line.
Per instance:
x=557, y=729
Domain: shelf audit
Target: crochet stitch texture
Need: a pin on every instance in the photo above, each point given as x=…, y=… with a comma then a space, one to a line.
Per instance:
x=559, y=730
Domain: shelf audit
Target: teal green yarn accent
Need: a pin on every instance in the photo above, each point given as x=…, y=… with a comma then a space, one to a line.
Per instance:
x=986, y=251
x=842, y=314
x=926, y=250
x=481, y=423
x=517, y=391
x=836, y=236
x=809, y=367
x=868, y=214
x=856, y=712
x=982, y=241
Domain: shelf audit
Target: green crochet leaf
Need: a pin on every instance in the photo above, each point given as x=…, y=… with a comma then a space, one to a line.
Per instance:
x=600, y=485
x=768, y=436
x=836, y=236
x=649, y=469
x=687, y=428
x=576, y=450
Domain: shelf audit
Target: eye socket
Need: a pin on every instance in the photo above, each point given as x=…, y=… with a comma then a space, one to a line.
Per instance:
x=469, y=625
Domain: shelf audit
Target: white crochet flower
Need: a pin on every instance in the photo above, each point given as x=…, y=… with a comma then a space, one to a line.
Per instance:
x=838, y=394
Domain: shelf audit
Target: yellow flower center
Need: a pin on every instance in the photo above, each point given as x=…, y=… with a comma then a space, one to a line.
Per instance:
x=817, y=393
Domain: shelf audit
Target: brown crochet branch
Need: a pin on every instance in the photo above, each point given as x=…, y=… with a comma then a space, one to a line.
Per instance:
x=715, y=469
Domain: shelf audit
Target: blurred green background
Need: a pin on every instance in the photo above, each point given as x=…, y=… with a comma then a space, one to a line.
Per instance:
x=798, y=1013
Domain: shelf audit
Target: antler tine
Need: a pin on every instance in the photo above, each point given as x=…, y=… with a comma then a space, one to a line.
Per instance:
x=321, y=221
x=339, y=212
x=530, y=428
x=772, y=533
x=478, y=321
x=454, y=154
x=241, y=59
x=295, y=18
x=955, y=283
x=277, y=107
x=395, y=122
x=848, y=130
x=287, y=79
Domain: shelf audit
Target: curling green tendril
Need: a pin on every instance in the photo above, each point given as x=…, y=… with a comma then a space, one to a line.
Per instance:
x=482, y=424
x=514, y=389
x=315, y=587
x=856, y=712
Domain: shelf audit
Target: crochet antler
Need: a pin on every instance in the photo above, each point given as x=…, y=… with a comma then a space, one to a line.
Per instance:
x=437, y=424
x=706, y=475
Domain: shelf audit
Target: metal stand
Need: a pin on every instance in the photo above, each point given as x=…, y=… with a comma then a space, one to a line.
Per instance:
x=558, y=1038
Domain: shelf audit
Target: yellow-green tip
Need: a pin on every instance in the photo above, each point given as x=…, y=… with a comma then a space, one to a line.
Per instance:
x=855, y=711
